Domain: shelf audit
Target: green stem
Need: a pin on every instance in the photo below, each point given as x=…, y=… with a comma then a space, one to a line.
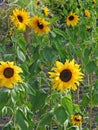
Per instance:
x=50, y=107
x=78, y=96
x=91, y=106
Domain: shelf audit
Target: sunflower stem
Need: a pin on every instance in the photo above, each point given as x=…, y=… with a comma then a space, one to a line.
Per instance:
x=90, y=94
x=50, y=107
x=14, y=110
x=78, y=95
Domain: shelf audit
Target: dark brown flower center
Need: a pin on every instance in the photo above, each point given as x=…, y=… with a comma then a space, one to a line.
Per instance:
x=20, y=18
x=65, y=75
x=8, y=72
x=40, y=25
x=71, y=18
x=38, y=3
x=76, y=119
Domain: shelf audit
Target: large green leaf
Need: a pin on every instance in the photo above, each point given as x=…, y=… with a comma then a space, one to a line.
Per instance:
x=91, y=67
x=87, y=53
x=3, y=98
x=46, y=119
x=22, y=44
x=60, y=114
x=60, y=32
x=21, y=55
x=85, y=100
x=21, y=120
x=38, y=100
x=49, y=54
x=67, y=104
x=95, y=98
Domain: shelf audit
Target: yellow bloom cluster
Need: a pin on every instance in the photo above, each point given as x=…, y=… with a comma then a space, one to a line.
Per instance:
x=21, y=19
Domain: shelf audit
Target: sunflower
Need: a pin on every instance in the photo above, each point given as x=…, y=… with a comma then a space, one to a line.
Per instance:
x=72, y=19
x=40, y=25
x=11, y=31
x=94, y=1
x=89, y=28
x=46, y=11
x=20, y=18
x=76, y=119
x=9, y=74
x=66, y=76
x=87, y=13
x=37, y=2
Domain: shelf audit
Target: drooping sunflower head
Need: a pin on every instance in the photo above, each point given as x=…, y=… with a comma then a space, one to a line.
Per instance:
x=87, y=13
x=40, y=25
x=20, y=18
x=46, y=11
x=77, y=119
x=72, y=19
x=66, y=76
x=9, y=74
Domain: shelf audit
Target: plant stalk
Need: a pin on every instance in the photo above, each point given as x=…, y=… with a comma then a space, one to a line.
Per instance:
x=91, y=106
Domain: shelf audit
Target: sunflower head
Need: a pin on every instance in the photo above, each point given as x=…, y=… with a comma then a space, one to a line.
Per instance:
x=46, y=11
x=9, y=74
x=87, y=13
x=11, y=31
x=66, y=76
x=20, y=18
x=89, y=28
x=40, y=25
x=77, y=119
x=94, y=1
x=37, y=2
x=72, y=19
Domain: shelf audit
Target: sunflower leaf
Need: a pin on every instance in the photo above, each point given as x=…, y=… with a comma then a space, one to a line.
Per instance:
x=60, y=113
x=46, y=119
x=21, y=55
x=67, y=104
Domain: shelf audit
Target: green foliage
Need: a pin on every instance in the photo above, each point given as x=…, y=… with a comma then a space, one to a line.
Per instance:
x=33, y=104
x=67, y=104
x=85, y=100
x=38, y=100
x=46, y=119
x=60, y=114
x=91, y=67
x=21, y=120
x=4, y=96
